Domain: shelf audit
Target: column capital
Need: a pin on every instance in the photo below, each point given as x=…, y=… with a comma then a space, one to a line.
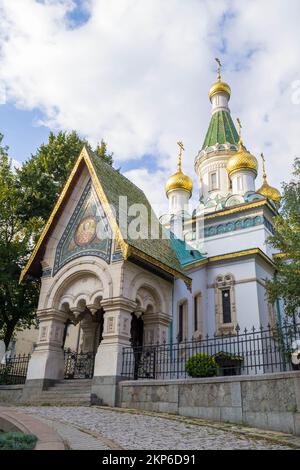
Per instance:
x=157, y=318
x=52, y=314
x=118, y=303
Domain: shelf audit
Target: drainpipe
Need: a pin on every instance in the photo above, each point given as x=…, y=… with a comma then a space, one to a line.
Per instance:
x=171, y=323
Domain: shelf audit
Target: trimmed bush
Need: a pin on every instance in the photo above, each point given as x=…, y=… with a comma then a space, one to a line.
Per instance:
x=201, y=365
x=17, y=441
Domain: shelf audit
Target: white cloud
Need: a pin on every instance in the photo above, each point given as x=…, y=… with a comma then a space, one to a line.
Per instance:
x=137, y=74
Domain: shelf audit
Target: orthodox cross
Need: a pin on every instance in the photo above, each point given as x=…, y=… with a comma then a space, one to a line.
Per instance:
x=240, y=130
x=219, y=68
x=264, y=165
x=181, y=148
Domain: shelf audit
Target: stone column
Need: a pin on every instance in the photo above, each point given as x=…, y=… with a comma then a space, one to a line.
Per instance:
x=88, y=334
x=108, y=361
x=156, y=327
x=47, y=361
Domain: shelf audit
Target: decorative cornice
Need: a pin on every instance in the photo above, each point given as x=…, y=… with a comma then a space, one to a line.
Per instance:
x=237, y=225
x=234, y=210
x=231, y=256
x=241, y=281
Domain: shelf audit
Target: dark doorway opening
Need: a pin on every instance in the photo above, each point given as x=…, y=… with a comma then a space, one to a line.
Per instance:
x=137, y=338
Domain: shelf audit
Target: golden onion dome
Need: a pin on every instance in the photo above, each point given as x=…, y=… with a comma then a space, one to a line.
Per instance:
x=179, y=180
x=242, y=160
x=269, y=192
x=219, y=87
x=266, y=190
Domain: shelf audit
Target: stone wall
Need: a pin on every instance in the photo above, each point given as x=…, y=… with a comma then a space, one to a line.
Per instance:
x=270, y=401
x=10, y=393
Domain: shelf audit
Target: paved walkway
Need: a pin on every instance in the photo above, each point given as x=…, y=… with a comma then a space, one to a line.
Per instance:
x=101, y=428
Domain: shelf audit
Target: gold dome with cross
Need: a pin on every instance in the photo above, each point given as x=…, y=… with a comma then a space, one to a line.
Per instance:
x=179, y=180
x=242, y=159
x=266, y=190
x=219, y=86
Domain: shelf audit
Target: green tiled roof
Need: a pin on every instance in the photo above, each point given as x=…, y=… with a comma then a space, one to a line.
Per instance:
x=115, y=185
x=185, y=253
x=221, y=130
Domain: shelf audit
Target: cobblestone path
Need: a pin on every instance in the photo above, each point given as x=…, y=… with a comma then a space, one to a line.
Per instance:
x=98, y=428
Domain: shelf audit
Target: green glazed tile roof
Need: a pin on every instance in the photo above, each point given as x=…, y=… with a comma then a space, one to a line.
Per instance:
x=185, y=253
x=221, y=130
x=115, y=185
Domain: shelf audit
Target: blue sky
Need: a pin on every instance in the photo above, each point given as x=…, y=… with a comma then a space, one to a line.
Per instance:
x=137, y=74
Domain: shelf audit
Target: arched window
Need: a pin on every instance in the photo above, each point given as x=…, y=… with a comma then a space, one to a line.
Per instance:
x=225, y=304
x=197, y=317
x=213, y=182
x=182, y=329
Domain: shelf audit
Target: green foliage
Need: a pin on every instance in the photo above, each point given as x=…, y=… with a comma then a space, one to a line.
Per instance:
x=201, y=365
x=286, y=283
x=27, y=197
x=17, y=302
x=225, y=356
x=17, y=441
x=43, y=176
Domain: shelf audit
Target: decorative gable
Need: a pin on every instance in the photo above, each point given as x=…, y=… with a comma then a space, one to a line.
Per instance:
x=88, y=232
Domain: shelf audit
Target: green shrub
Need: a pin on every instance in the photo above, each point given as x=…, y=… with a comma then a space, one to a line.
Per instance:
x=201, y=365
x=17, y=441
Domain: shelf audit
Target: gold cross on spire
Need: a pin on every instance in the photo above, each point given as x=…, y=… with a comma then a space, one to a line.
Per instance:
x=219, y=68
x=181, y=148
x=264, y=165
x=239, y=131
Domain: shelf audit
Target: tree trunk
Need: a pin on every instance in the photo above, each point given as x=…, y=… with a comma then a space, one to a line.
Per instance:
x=8, y=333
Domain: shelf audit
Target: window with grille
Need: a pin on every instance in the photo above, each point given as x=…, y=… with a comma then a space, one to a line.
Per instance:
x=226, y=306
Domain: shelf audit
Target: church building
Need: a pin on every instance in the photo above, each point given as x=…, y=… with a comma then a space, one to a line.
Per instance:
x=114, y=276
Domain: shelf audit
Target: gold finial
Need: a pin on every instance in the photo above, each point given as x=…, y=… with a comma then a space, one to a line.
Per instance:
x=219, y=68
x=264, y=166
x=240, y=131
x=181, y=148
x=266, y=190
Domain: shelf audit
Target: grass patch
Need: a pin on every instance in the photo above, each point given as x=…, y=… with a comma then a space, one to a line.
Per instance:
x=17, y=441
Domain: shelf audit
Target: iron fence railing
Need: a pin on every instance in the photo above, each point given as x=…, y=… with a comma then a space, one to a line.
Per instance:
x=79, y=365
x=255, y=351
x=14, y=370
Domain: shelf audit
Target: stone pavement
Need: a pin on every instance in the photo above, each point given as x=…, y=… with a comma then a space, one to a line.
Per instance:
x=106, y=428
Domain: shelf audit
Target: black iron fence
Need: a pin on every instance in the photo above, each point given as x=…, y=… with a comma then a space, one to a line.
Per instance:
x=79, y=365
x=14, y=370
x=255, y=351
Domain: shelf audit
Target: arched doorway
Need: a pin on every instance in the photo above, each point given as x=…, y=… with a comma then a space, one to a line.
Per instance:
x=137, y=339
x=79, y=359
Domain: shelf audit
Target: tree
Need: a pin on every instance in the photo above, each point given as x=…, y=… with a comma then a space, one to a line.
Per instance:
x=286, y=239
x=17, y=302
x=102, y=152
x=27, y=197
x=43, y=176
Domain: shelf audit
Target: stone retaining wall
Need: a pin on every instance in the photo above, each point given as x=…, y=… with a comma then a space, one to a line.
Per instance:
x=10, y=393
x=270, y=401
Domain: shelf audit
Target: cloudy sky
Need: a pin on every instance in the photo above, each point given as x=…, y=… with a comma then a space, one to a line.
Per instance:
x=137, y=73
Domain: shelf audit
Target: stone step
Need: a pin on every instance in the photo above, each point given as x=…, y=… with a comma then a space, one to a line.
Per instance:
x=52, y=394
x=70, y=386
x=73, y=385
x=74, y=381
